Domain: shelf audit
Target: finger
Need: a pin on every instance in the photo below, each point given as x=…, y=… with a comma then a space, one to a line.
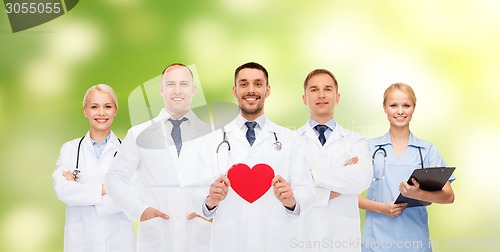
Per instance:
x=352, y=161
x=163, y=215
x=223, y=191
x=279, y=186
x=219, y=180
x=404, y=185
x=192, y=216
x=209, y=220
x=284, y=189
x=286, y=195
x=415, y=182
x=277, y=179
x=226, y=181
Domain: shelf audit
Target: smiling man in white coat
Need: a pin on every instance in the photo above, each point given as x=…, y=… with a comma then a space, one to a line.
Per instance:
x=340, y=165
x=262, y=223
x=160, y=152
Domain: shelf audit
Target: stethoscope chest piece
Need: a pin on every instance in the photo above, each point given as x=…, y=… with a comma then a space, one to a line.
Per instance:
x=277, y=146
x=76, y=174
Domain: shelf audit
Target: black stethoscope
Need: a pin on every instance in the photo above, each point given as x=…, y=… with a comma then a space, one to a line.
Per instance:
x=225, y=143
x=76, y=172
x=277, y=144
x=384, y=153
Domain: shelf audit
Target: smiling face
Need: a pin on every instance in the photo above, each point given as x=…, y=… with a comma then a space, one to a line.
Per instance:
x=321, y=96
x=177, y=90
x=100, y=109
x=251, y=90
x=399, y=107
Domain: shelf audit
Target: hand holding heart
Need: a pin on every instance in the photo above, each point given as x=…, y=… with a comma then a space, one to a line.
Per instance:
x=218, y=192
x=283, y=191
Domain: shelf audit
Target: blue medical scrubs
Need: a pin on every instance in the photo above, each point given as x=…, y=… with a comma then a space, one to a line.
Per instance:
x=410, y=230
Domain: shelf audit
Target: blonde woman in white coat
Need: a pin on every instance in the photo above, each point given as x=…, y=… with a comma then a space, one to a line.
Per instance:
x=340, y=165
x=93, y=221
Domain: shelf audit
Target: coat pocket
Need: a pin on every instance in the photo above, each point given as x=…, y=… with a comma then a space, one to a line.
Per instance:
x=201, y=234
x=150, y=234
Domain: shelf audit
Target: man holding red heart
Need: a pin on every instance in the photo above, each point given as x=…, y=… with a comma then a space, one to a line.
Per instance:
x=247, y=215
x=340, y=165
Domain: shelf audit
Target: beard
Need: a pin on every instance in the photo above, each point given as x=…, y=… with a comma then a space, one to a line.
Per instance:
x=252, y=111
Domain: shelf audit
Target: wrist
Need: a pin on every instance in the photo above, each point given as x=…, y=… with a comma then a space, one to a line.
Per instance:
x=380, y=208
x=210, y=204
x=291, y=206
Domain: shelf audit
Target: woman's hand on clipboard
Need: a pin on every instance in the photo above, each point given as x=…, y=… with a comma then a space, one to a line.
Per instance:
x=410, y=191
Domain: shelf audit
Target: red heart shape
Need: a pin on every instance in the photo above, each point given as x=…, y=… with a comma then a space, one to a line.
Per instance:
x=250, y=184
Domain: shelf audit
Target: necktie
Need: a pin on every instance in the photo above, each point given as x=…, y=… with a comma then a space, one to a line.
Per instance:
x=250, y=132
x=321, y=130
x=176, y=133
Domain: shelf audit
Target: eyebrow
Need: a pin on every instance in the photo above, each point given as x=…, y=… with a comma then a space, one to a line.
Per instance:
x=327, y=86
x=256, y=80
x=95, y=103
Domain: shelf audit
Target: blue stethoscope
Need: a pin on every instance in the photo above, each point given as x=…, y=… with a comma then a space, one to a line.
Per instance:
x=277, y=145
x=76, y=172
x=384, y=153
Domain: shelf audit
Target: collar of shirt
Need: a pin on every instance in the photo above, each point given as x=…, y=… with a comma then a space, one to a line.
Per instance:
x=185, y=125
x=330, y=123
x=98, y=149
x=164, y=115
x=240, y=123
x=412, y=141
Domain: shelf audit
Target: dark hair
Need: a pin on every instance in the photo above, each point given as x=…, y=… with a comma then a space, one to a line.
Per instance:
x=251, y=65
x=317, y=72
x=177, y=64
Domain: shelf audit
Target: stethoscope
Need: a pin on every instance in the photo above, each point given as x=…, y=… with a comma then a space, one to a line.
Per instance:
x=384, y=153
x=277, y=145
x=76, y=172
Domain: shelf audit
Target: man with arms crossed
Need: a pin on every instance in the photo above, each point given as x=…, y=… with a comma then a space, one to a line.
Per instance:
x=340, y=165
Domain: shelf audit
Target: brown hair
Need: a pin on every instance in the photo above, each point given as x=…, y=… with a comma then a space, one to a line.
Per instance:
x=317, y=72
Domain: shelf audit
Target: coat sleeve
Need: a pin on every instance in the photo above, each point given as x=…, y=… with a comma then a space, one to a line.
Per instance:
x=300, y=178
x=73, y=193
x=351, y=179
x=120, y=181
x=107, y=207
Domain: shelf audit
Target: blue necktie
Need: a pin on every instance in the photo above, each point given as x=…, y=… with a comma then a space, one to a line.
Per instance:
x=321, y=130
x=176, y=133
x=250, y=132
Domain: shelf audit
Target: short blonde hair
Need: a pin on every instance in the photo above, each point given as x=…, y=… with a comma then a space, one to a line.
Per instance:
x=405, y=88
x=102, y=88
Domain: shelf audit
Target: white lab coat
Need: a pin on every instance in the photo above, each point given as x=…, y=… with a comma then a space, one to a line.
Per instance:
x=148, y=152
x=263, y=225
x=93, y=222
x=334, y=223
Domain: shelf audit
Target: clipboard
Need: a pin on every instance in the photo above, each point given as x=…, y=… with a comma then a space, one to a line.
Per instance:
x=430, y=179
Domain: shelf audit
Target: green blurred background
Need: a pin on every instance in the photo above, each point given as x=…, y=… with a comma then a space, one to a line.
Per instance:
x=446, y=50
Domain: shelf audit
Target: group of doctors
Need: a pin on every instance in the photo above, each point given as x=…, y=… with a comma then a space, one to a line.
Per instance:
x=175, y=175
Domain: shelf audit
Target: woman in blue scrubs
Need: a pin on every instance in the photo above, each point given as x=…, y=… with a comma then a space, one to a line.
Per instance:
x=389, y=226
